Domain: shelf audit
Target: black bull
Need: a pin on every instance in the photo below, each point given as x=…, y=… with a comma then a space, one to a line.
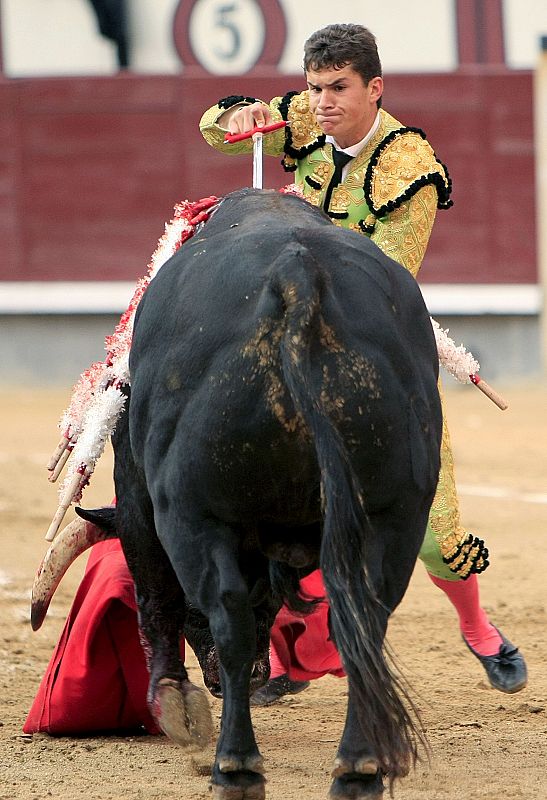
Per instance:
x=283, y=415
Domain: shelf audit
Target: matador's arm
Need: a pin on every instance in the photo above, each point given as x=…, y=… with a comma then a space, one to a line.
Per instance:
x=405, y=183
x=404, y=233
x=213, y=131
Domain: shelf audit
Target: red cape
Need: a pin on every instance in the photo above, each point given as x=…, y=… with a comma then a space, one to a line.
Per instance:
x=302, y=643
x=97, y=678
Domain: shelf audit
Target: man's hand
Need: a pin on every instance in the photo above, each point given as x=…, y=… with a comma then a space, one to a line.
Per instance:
x=241, y=119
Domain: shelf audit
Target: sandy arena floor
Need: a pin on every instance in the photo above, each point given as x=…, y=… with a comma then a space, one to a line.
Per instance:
x=486, y=745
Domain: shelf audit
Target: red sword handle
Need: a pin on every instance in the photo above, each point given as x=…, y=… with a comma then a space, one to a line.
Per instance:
x=230, y=138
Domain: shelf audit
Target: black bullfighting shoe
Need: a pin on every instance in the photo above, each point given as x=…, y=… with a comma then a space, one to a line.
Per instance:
x=275, y=689
x=506, y=669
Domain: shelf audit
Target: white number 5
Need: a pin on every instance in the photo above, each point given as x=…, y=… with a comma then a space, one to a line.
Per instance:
x=227, y=37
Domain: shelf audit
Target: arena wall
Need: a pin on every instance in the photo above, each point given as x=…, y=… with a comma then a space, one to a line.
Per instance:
x=93, y=167
x=94, y=154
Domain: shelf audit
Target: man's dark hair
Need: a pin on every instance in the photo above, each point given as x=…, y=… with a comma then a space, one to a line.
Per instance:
x=341, y=45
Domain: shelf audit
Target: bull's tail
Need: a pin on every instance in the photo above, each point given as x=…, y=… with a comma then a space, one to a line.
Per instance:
x=358, y=618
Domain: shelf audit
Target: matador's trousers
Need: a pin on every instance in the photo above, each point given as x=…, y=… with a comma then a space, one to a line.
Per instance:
x=449, y=551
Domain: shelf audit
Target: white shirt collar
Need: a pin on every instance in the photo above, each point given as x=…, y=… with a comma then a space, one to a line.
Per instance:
x=355, y=149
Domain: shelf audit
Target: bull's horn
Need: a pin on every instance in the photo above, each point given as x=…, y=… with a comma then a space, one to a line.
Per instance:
x=72, y=541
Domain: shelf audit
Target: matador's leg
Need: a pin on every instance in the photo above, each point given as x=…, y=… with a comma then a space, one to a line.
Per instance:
x=449, y=551
x=453, y=558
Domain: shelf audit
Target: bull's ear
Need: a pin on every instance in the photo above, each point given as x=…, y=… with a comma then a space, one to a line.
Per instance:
x=104, y=518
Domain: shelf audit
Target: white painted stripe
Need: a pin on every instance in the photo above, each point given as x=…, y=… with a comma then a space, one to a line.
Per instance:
x=481, y=298
x=112, y=297
x=476, y=490
x=65, y=297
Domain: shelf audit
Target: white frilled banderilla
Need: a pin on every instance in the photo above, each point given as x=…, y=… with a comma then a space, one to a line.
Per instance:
x=461, y=365
x=97, y=400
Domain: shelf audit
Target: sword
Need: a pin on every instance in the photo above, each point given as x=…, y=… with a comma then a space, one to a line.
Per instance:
x=256, y=135
x=257, y=161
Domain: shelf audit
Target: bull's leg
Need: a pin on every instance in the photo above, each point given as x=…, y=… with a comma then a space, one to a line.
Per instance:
x=357, y=774
x=265, y=611
x=179, y=707
x=204, y=556
x=198, y=636
x=261, y=670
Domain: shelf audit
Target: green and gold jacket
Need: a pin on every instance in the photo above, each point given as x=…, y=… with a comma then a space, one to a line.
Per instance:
x=393, y=187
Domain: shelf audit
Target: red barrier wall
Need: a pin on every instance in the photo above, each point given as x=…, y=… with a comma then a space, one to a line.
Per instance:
x=90, y=169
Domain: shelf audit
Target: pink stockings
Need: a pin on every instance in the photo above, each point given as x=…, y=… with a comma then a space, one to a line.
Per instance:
x=476, y=629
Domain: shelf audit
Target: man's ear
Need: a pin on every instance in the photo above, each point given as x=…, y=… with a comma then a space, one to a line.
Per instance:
x=376, y=86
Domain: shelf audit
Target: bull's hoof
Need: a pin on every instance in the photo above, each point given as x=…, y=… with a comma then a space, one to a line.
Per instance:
x=238, y=785
x=358, y=779
x=254, y=792
x=366, y=765
x=231, y=764
x=356, y=787
x=182, y=712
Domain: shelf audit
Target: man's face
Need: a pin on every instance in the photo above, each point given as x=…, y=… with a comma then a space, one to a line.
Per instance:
x=344, y=105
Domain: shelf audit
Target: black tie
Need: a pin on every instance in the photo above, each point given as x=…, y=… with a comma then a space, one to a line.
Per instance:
x=340, y=160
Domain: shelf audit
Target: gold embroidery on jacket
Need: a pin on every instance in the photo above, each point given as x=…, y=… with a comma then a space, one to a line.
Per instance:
x=386, y=126
x=321, y=174
x=313, y=196
x=403, y=161
x=341, y=199
x=463, y=552
x=354, y=181
x=405, y=233
x=304, y=127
